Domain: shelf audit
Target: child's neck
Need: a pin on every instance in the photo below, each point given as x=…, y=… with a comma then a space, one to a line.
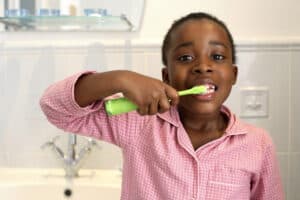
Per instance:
x=203, y=129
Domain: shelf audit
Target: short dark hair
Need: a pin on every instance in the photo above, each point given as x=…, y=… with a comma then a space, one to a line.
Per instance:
x=197, y=16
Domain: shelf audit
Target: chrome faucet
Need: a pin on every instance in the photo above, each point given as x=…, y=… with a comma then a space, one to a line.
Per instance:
x=72, y=161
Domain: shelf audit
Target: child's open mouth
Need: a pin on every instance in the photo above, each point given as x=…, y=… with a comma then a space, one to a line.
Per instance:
x=210, y=88
x=208, y=95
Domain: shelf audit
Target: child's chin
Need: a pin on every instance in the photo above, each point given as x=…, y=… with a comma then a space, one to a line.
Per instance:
x=206, y=110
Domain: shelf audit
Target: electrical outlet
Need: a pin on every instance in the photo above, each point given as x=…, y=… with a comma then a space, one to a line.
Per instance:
x=254, y=102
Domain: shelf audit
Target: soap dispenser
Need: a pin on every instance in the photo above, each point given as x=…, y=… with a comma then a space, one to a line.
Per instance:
x=70, y=7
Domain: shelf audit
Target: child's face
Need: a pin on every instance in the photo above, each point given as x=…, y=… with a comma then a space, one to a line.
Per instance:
x=200, y=53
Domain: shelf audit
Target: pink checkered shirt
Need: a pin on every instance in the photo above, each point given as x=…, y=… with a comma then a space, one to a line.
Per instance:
x=159, y=160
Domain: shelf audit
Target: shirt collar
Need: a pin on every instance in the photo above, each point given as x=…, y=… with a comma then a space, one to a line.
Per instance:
x=235, y=126
x=171, y=116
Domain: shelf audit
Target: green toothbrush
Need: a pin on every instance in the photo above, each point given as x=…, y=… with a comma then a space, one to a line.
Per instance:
x=123, y=105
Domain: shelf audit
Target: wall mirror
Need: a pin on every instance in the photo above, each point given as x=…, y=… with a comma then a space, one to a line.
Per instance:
x=71, y=15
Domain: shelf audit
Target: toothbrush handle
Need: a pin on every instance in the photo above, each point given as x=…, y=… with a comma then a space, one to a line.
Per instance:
x=119, y=106
x=123, y=105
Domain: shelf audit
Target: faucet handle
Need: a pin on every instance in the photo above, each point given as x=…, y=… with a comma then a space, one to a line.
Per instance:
x=53, y=140
x=46, y=144
x=50, y=143
x=93, y=143
x=87, y=149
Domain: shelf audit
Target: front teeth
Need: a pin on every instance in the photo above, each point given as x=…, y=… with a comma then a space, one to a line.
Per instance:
x=210, y=89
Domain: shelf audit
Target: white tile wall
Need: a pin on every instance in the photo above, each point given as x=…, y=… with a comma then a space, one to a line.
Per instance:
x=26, y=72
x=294, y=177
x=268, y=69
x=294, y=167
x=295, y=99
x=283, y=159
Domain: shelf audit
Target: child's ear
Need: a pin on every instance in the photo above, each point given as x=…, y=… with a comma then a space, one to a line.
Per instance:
x=165, y=75
x=235, y=73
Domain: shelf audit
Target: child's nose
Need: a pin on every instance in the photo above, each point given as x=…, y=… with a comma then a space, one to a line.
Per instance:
x=202, y=68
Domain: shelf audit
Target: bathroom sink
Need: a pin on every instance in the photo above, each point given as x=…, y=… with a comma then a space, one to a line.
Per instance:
x=36, y=184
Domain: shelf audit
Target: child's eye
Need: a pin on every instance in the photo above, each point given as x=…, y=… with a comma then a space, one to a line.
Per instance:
x=185, y=58
x=218, y=57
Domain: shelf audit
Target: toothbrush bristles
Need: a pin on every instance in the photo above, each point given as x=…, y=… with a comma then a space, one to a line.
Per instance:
x=200, y=89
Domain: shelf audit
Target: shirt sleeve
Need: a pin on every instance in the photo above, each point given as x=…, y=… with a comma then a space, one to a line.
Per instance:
x=268, y=185
x=59, y=106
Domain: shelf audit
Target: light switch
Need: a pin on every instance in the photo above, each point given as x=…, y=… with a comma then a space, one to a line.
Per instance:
x=254, y=102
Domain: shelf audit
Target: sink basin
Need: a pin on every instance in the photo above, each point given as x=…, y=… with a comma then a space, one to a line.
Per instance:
x=37, y=184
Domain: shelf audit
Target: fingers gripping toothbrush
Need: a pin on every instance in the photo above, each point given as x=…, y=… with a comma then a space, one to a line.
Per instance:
x=123, y=105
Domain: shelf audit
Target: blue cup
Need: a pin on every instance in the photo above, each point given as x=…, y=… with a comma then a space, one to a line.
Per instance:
x=48, y=12
x=102, y=11
x=43, y=12
x=17, y=12
x=90, y=11
x=55, y=12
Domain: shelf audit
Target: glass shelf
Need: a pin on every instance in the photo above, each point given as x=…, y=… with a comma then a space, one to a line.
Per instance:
x=67, y=23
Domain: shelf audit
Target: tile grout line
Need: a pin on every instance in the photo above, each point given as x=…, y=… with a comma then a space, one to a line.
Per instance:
x=290, y=124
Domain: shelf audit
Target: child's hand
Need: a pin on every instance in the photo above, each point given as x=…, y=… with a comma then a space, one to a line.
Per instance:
x=149, y=94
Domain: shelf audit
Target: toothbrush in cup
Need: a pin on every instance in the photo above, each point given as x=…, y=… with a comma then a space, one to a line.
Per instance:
x=124, y=105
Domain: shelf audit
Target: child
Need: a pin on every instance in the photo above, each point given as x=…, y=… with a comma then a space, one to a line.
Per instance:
x=175, y=148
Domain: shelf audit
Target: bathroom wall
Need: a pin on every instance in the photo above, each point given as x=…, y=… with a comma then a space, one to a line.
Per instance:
x=246, y=19
x=268, y=48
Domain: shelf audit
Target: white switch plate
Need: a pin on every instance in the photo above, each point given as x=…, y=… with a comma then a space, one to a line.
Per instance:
x=254, y=102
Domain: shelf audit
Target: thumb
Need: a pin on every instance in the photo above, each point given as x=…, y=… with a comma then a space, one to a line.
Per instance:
x=172, y=94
